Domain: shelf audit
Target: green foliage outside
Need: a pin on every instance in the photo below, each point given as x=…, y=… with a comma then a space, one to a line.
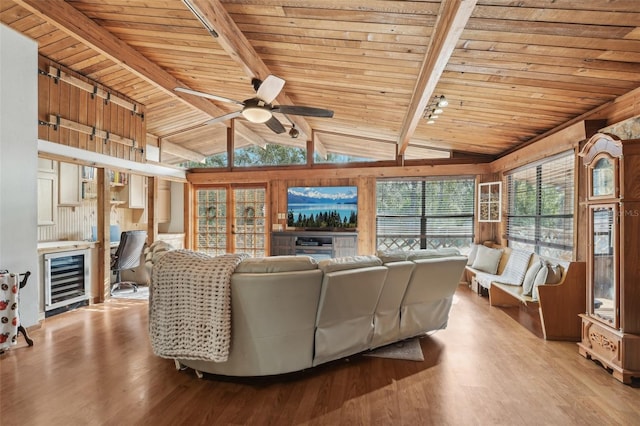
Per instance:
x=271, y=155
x=322, y=220
x=442, y=197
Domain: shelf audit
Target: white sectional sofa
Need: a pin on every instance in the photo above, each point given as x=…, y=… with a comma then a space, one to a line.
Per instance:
x=290, y=313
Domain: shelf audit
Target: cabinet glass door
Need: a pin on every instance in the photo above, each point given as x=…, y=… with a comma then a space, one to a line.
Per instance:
x=603, y=178
x=604, y=274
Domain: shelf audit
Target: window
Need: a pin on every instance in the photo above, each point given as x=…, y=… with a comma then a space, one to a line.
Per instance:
x=540, y=207
x=339, y=159
x=425, y=213
x=270, y=155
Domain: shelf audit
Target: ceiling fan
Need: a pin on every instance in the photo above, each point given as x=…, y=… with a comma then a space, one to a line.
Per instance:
x=259, y=108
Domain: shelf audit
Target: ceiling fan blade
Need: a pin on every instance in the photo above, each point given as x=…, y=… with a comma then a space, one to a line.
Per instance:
x=224, y=117
x=207, y=95
x=270, y=88
x=275, y=125
x=303, y=110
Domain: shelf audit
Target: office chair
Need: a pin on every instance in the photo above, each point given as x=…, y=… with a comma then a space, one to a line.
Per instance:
x=127, y=256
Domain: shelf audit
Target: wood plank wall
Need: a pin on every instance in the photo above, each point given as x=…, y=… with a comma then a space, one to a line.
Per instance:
x=57, y=97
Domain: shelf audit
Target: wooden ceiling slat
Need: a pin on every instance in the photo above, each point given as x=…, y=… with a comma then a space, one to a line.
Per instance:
x=308, y=17
x=339, y=35
x=590, y=5
x=548, y=28
x=610, y=69
x=548, y=75
x=551, y=51
x=406, y=52
x=558, y=40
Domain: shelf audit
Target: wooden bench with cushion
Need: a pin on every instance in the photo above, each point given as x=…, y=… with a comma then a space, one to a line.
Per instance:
x=558, y=304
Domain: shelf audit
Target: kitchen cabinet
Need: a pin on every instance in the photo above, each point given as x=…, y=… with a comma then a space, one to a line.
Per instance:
x=69, y=184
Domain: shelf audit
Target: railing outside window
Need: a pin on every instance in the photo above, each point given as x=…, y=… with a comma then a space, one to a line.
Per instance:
x=425, y=213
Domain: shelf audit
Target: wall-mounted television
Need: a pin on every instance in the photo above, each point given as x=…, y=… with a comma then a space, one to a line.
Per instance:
x=326, y=208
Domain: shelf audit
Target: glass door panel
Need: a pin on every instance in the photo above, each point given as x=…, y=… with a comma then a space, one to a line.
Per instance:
x=249, y=223
x=211, y=221
x=604, y=274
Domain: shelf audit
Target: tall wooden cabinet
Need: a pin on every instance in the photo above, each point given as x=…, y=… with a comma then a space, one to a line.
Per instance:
x=611, y=322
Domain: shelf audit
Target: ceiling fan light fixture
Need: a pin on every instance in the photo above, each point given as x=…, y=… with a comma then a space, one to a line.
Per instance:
x=256, y=114
x=294, y=133
x=442, y=101
x=438, y=111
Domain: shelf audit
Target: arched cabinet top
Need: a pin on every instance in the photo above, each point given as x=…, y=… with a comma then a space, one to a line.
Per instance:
x=599, y=143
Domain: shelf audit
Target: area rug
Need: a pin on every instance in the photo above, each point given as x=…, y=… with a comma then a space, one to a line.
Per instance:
x=407, y=350
x=128, y=293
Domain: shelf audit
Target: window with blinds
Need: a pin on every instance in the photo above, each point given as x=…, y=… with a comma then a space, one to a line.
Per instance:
x=424, y=213
x=540, y=207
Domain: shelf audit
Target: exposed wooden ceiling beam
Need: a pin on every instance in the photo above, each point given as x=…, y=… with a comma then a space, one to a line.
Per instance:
x=179, y=151
x=452, y=18
x=238, y=47
x=77, y=25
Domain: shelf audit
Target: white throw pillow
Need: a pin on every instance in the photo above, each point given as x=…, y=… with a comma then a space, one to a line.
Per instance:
x=541, y=278
x=530, y=277
x=487, y=259
x=472, y=254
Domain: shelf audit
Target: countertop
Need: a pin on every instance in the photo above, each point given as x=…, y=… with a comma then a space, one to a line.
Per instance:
x=53, y=246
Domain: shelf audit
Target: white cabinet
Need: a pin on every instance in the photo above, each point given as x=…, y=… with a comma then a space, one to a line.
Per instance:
x=129, y=191
x=47, y=192
x=164, y=201
x=136, y=192
x=489, y=202
x=69, y=184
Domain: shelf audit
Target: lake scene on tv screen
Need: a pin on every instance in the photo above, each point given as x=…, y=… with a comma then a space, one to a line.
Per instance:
x=322, y=207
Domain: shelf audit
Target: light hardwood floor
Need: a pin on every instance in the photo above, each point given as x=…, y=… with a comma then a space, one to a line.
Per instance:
x=94, y=366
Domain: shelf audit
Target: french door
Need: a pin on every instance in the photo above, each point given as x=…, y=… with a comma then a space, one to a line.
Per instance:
x=231, y=219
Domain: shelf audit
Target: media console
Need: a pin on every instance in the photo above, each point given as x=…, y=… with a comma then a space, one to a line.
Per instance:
x=317, y=244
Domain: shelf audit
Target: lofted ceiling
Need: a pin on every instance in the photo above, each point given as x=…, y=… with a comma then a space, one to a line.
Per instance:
x=510, y=70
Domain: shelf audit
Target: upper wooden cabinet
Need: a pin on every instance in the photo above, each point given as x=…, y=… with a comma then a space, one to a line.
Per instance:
x=611, y=323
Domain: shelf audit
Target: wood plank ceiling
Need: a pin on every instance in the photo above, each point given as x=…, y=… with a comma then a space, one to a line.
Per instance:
x=511, y=70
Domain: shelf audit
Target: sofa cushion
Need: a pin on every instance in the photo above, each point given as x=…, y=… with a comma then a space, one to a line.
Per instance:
x=541, y=278
x=388, y=256
x=530, y=277
x=276, y=264
x=487, y=259
x=472, y=254
x=348, y=262
x=432, y=253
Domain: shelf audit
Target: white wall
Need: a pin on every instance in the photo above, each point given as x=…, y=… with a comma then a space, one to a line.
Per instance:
x=19, y=164
x=177, y=208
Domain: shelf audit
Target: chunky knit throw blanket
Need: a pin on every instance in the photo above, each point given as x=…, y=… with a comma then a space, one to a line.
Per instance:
x=190, y=305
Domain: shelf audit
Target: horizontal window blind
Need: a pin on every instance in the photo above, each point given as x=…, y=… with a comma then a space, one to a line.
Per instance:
x=424, y=213
x=540, y=206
